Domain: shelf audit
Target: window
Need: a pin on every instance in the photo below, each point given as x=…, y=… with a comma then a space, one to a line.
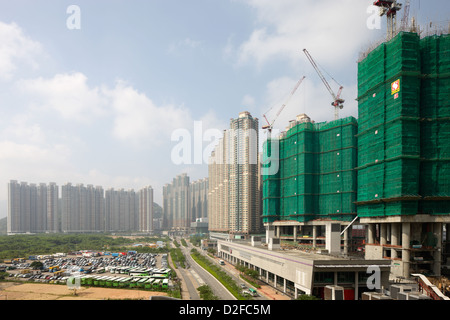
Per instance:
x=346, y=277
x=323, y=277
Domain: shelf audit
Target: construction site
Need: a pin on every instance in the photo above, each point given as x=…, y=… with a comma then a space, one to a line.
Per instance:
x=374, y=188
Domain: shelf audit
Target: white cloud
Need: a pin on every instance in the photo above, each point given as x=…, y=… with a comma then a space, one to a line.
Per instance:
x=67, y=94
x=179, y=47
x=20, y=129
x=333, y=30
x=138, y=119
x=16, y=49
x=135, y=117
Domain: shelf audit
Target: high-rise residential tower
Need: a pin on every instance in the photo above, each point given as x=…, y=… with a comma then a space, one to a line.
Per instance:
x=218, y=193
x=146, y=209
x=234, y=187
x=36, y=208
x=52, y=208
x=29, y=209
x=199, y=199
x=176, y=204
x=121, y=210
x=15, y=209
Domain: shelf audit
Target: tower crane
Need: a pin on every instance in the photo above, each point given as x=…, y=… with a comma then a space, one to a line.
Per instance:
x=405, y=15
x=337, y=100
x=389, y=8
x=269, y=125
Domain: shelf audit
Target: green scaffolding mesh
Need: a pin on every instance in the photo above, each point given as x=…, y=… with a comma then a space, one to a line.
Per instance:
x=404, y=130
x=317, y=176
x=395, y=160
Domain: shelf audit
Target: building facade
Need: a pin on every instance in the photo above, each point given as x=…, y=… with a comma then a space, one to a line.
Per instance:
x=404, y=152
x=176, y=204
x=146, y=209
x=121, y=210
x=32, y=208
x=52, y=208
x=218, y=193
x=36, y=208
x=199, y=199
x=234, y=199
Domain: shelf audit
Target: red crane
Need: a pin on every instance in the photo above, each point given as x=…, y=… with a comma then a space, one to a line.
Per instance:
x=390, y=8
x=337, y=100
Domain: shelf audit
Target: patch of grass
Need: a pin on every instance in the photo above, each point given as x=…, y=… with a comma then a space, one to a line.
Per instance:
x=219, y=274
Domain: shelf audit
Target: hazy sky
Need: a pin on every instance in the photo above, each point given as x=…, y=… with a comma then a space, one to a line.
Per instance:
x=93, y=96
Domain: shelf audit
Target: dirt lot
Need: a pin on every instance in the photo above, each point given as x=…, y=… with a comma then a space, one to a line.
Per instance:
x=39, y=291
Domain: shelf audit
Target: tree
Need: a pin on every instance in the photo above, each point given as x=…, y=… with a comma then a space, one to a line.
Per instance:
x=37, y=265
x=307, y=297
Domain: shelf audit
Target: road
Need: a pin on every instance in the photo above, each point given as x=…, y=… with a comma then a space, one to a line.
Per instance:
x=233, y=273
x=195, y=276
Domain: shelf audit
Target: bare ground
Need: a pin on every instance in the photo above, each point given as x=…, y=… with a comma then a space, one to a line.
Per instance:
x=40, y=291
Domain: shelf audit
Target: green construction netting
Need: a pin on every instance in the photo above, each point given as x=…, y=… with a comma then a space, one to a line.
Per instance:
x=404, y=127
x=317, y=176
x=395, y=160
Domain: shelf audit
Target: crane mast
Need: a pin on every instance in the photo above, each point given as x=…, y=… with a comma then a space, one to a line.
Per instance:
x=269, y=126
x=337, y=100
x=389, y=8
x=405, y=16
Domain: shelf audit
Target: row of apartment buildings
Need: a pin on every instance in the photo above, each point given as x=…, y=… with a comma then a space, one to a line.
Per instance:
x=38, y=208
x=184, y=202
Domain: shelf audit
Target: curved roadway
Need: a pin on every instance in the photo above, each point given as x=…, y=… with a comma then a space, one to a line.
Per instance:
x=195, y=276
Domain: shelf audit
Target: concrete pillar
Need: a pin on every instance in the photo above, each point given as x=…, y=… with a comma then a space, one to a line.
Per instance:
x=314, y=236
x=275, y=280
x=394, y=238
x=284, y=285
x=356, y=285
x=333, y=238
x=388, y=232
x=383, y=233
x=278, y=231
x=295, y=233
x=438, y=252
x=406, y=254
x=346, y=241
x=371, y=233
x=270, y=232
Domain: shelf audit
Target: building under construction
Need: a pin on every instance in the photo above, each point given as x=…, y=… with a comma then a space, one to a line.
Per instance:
x=315, y=186
x=390, y=168
x=404, y=151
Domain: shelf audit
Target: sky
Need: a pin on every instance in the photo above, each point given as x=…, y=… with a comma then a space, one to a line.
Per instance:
x=107, y=92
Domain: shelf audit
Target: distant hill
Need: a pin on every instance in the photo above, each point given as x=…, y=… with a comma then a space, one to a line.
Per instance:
x=157, y=213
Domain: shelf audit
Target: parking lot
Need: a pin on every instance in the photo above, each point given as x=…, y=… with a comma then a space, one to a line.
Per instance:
x=56, y=269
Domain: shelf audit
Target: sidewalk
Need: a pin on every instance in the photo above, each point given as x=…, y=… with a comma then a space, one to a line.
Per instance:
x=265, y=290
x=272, y=294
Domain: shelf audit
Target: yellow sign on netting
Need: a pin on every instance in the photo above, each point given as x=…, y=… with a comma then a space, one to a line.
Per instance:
x=395, y=86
